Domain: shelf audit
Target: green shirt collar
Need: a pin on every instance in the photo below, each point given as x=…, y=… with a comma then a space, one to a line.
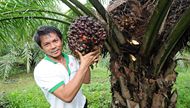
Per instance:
x=66, y=58
x=63, y=54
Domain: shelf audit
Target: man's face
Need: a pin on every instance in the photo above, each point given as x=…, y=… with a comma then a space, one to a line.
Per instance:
x=51, y=44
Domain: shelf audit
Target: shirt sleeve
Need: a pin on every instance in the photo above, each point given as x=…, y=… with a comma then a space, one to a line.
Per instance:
x=48, y=79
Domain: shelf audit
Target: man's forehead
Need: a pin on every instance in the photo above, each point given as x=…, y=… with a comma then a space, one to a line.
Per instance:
x=49, y=35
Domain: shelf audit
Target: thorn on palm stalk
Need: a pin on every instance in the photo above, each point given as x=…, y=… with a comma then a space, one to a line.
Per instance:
x=134, y=42
x=133, y=58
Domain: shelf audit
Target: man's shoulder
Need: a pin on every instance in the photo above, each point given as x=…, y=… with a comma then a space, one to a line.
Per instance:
x=42, y=65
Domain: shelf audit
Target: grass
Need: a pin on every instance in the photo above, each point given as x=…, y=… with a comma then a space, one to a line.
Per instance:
x=98, y=92
x=19, y=81
x=183, y=87
x=22, y=92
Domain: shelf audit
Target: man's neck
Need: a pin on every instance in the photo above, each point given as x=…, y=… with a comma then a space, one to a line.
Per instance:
x=59, y=59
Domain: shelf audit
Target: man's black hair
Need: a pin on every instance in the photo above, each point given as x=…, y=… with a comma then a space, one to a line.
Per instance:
x=45, y=30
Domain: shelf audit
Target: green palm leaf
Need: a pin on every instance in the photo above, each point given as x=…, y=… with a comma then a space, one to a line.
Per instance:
x=83, y=8
x=18, y=20
x=34, y=17
x=23, y=11
x=72, y=7
x=154, y=26
x=173, y=38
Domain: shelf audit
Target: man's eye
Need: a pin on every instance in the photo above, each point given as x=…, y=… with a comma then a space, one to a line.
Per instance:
x=56, y=40
x=46, y=44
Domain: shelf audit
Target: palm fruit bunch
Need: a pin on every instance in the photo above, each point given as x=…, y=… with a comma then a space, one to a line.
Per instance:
x=131, y=15
x=125, y=12
x=85, y=34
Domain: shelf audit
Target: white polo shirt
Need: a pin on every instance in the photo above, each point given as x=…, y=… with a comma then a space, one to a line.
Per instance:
x=50, y=75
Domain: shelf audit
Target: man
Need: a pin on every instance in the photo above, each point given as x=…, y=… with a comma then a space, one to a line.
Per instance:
x=59, y=75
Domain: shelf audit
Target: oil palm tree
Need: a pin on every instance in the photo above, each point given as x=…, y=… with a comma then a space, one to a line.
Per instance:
x=144, y=37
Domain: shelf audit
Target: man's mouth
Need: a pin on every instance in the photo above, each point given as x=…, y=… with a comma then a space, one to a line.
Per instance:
x=54, y=51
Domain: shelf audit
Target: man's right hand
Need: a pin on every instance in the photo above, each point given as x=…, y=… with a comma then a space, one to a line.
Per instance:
x=89, y=58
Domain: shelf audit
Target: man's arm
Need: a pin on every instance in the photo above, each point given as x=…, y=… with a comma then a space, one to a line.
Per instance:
x=87, y=77
x=67, y=92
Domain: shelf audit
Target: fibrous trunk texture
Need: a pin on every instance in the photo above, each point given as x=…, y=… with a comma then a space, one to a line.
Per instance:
x=133, y=83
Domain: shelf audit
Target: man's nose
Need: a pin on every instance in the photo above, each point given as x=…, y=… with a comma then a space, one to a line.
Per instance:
x=52, y=45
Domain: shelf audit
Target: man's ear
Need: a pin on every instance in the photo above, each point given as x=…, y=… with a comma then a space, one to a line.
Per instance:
x=41, y=49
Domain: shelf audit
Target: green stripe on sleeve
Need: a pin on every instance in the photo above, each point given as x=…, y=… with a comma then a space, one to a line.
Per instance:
x=56, y=86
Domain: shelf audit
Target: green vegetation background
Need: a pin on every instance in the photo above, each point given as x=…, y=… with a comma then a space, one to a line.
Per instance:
x=20, y=91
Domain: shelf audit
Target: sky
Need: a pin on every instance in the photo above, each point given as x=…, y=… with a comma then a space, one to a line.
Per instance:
x=66, y=7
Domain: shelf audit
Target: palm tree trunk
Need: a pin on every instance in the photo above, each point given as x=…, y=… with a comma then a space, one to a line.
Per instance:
x=132, y=88
x=134, y=83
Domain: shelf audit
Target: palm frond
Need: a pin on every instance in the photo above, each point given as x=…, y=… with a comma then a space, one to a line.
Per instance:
x=72, y=7
x=83, y=8
x=6, y=63
x=23, y=11
x=155, y=23
x=34, y=17
x=173, y=38
x=27, y=55
x=30, y=12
